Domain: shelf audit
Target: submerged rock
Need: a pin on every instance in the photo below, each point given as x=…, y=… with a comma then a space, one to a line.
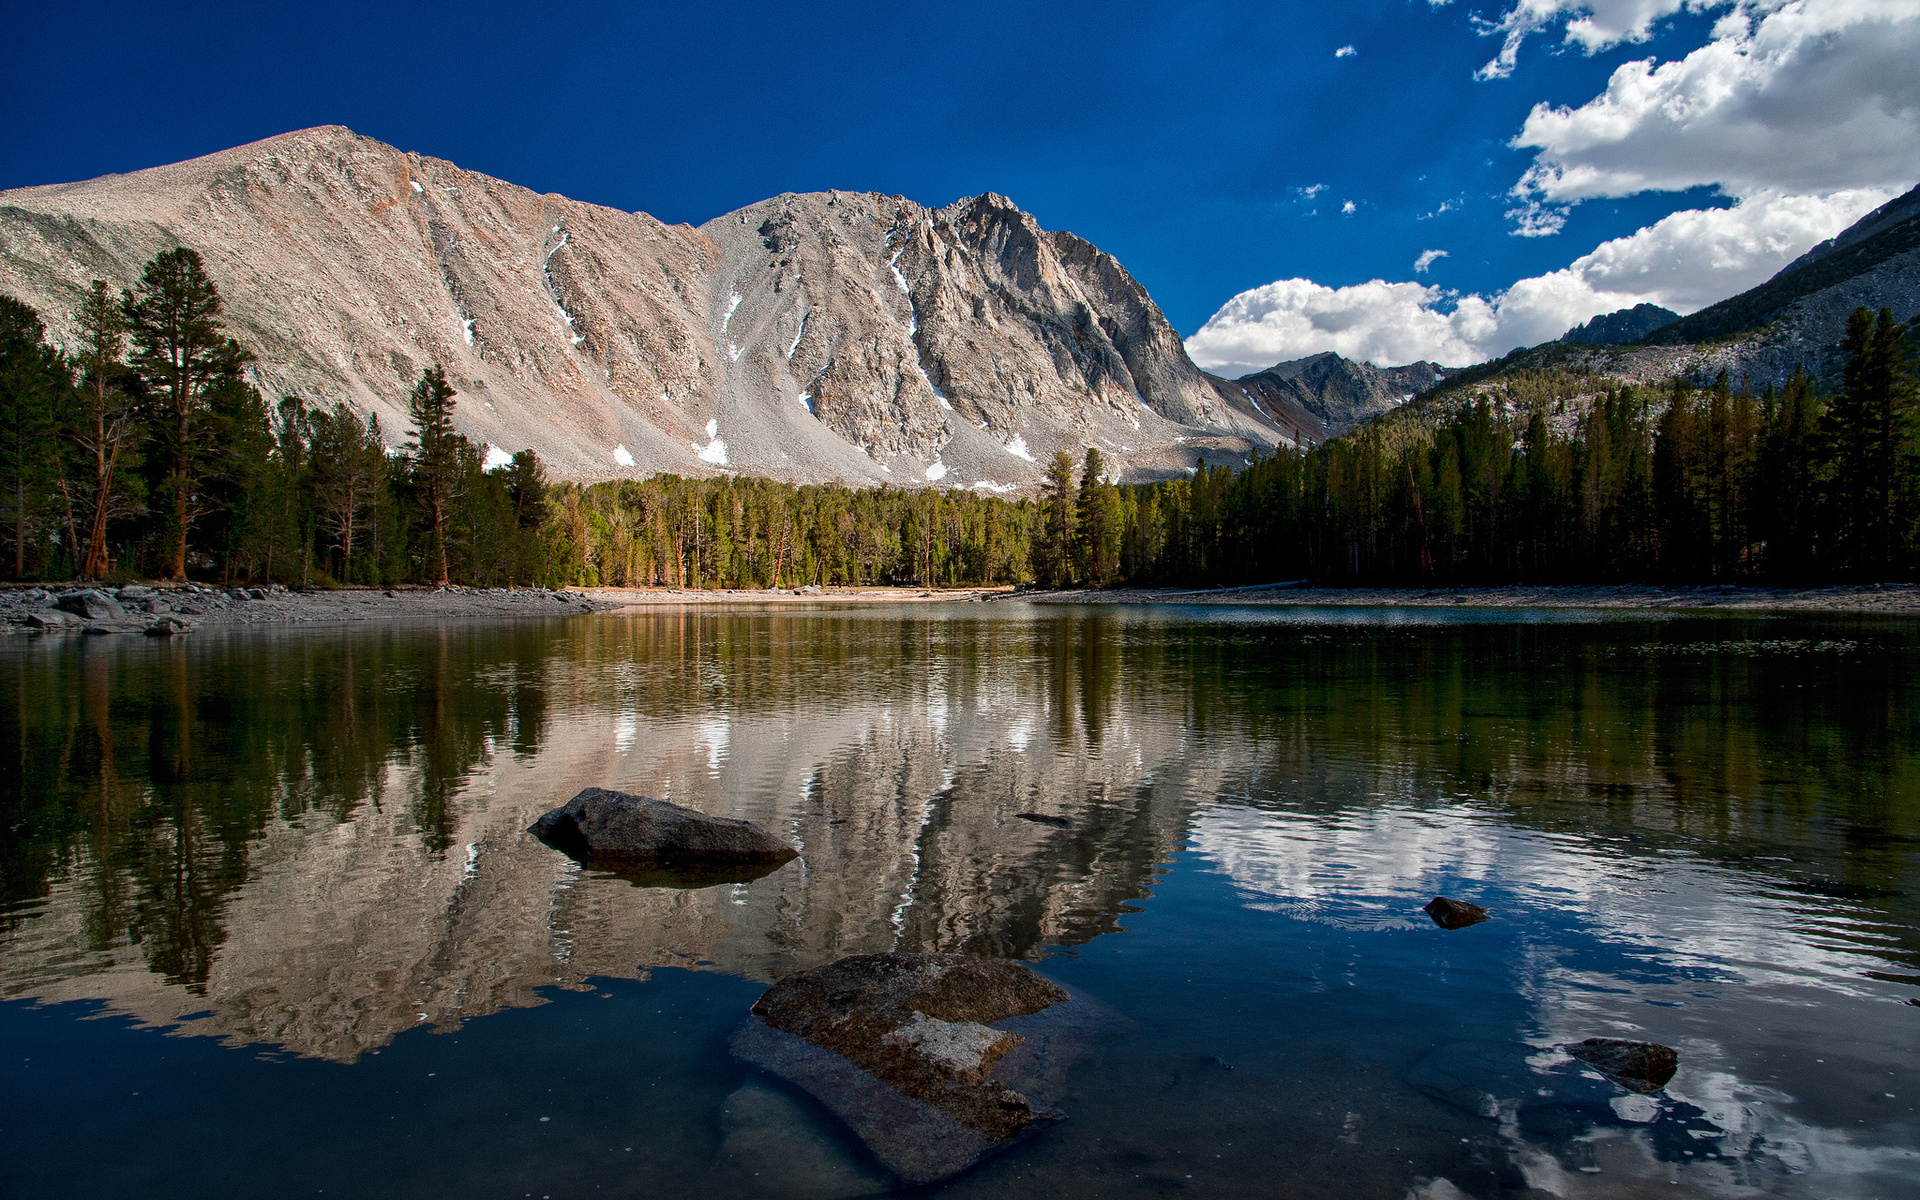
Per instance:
x=934, y=1060
x=618, y=829
x=1454, y=914
x=1045, y=819
x=1636, y=1066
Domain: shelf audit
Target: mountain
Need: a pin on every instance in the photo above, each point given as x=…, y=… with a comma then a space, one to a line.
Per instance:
x=1336, y=392
x=1618, y=328
x=839, y=336
x=1761, y=336
x=1875, y=262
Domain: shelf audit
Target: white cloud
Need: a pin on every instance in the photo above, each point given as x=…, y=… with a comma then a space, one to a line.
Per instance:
x=1534, y=219
x=1312, y=190
x=1684, y=262
x=1805, y=96
x=1345, y=52
x=1593, y=25
x=1427, y=259
x=1347, y=208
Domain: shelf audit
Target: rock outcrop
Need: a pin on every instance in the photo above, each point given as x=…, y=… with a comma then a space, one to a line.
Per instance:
x=620, y=829
x=838, y=336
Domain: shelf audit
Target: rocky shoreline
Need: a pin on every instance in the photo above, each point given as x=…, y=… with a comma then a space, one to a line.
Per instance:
x=165, y=610
x=1889, y=598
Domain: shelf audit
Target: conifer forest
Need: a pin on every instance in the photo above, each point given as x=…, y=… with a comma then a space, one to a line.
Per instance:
x=140, y=450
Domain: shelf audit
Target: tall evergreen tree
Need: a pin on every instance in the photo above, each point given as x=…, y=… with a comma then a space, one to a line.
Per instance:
x=100, y=422
x=181, y=354
x=1055, y=549
x=1867, y=431
x=1097, y=525
x=349, y=471
x=34, y=380
x=434, y=453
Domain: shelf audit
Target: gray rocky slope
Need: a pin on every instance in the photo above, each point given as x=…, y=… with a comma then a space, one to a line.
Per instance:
x=839, y=336
x=1338, y=392
x=1761, y=336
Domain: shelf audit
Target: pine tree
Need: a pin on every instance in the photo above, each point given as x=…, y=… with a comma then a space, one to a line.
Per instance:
x=99, y=423
x=1055, y=542
x=526, y=483
x=1866, y=431
x=434, y=453
x=1097, y=532
x=349, y=471
x=1788, y=480
x=181, y=355
x=34, y=379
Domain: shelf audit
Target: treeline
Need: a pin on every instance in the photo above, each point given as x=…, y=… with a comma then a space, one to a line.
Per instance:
x=1678, y=483
x=141, y=450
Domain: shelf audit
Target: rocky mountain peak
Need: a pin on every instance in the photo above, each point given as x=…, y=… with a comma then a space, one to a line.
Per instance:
x=830, y=336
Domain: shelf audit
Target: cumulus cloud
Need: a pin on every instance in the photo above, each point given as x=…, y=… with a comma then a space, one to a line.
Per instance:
x=1427, y=259
x=1345, y=52
x=1593, y=25
x=1684, y=262
x=1348, y=208
x=1806, y=95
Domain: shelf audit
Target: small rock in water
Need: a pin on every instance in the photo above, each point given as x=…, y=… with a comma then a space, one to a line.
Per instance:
x=1045, y=819
x=1454, y=914
x=1636, y=1066
x=606, y=827
x=906, y=1050
x=169, y=627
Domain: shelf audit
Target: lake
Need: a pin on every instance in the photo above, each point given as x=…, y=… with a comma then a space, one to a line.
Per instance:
x=272, y=924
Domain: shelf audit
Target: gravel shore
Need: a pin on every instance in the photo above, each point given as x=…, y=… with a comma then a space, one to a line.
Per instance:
x=1896, y=598
x=171, y=610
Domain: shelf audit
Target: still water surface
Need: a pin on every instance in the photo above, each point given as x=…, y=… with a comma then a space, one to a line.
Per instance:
x=271, y=925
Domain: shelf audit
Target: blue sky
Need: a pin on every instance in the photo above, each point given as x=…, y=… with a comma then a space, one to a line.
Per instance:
x=1215, y=148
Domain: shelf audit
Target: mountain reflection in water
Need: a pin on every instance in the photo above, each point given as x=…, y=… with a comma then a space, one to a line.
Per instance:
x=314, y=840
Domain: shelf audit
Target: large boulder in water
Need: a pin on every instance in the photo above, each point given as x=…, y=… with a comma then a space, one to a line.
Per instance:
x=933, y=1060
x=1454, y=914
x=624, y=831
x=1637, y=1066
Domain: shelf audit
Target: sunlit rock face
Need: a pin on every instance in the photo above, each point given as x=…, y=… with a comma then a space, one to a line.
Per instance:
x=836, y=336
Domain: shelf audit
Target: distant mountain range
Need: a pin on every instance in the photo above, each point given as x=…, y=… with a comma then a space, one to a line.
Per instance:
x=1340, y=393
x=848, y=337
x=841, y=336
x=1619, y=328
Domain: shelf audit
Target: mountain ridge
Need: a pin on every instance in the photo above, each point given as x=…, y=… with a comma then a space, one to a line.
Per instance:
x=819, y=337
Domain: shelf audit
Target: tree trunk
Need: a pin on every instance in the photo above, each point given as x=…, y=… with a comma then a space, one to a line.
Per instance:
x=440, y=536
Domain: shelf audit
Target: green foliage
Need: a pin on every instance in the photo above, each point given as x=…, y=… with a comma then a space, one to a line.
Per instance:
x=34, y=379
x=1525, y=475
x=182, y=357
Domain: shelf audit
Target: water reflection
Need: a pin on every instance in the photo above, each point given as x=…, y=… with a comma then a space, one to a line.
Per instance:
x=316, y=841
